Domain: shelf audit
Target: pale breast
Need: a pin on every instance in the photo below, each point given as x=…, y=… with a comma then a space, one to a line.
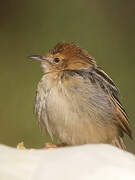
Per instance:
x=74, y=113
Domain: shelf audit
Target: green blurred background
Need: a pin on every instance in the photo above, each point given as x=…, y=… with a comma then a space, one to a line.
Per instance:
x=105, y=28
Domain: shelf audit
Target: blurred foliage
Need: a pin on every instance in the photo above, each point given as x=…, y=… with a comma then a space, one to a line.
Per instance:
x=105, y=28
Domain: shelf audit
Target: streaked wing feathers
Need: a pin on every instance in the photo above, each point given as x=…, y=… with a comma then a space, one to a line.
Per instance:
x=108, y=85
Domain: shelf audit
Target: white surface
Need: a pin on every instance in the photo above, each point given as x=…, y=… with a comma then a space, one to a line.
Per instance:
x=88, y=162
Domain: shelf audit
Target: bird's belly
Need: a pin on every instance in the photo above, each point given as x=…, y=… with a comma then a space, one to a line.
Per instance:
x=73, y=121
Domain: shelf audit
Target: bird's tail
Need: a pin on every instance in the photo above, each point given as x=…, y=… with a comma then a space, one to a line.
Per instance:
x=119, y=142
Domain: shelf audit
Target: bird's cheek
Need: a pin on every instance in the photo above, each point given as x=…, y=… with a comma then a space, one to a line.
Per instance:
x=44, y=67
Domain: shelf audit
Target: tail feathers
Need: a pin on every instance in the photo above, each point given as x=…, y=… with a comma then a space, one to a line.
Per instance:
x=119, y=142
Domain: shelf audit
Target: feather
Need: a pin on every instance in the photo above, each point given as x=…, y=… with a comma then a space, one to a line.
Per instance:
x=113, y=93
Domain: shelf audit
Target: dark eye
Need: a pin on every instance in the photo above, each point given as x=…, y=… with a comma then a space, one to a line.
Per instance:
x=56, y=60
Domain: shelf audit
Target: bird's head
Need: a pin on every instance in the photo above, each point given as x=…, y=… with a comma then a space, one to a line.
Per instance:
x=65, y=56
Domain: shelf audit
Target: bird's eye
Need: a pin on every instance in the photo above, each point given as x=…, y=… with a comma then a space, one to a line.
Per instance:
x=56, y=60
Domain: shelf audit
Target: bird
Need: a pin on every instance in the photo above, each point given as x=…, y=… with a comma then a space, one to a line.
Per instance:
x=76, y=101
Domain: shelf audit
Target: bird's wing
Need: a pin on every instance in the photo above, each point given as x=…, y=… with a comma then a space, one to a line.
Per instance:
x=107, y=84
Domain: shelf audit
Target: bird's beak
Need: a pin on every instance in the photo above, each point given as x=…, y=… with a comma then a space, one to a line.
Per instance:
x=37, y=57
x=40, y=58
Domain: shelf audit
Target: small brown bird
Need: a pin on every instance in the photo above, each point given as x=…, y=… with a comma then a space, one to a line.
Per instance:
x=77, y=101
